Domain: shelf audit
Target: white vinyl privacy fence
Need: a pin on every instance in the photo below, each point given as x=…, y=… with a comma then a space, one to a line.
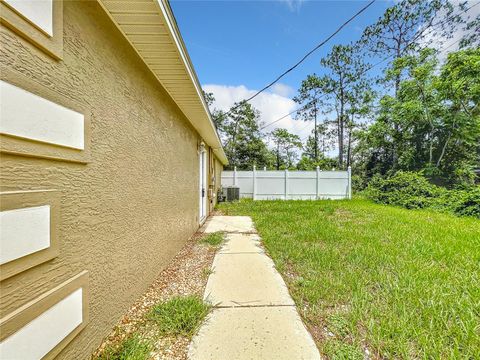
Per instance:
x=290, y=185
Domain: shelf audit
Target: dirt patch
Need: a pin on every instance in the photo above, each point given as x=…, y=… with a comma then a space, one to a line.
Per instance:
x=187, y=274
x=217, y=212
x=341, y=215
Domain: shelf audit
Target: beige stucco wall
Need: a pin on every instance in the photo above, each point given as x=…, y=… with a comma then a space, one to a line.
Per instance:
x=215, y=168
x=126, y=213
x=218, y=167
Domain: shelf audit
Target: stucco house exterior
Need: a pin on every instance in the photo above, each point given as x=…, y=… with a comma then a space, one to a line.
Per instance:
x=109, y=163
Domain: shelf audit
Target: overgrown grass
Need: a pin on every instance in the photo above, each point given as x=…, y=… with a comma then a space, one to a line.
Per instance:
x=132, y=348
x=179, y=316
x=403, y=284
x=213, y=239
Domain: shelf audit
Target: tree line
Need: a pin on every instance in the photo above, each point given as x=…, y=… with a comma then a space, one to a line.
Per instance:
x=419, y=111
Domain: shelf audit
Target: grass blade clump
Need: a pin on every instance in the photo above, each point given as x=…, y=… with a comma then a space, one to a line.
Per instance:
x=214, y=239
x=179, y=316
x=131, y=348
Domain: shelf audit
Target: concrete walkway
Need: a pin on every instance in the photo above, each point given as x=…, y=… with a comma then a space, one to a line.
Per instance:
x=254, y=316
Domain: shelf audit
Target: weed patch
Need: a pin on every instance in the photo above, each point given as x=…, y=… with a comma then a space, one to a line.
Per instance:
x=213, y=239
x=179, y=316
x=337, y=350
x=131, y=348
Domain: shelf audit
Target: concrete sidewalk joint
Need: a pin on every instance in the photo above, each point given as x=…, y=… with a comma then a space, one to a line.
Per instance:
x=229, y=224
x=246, y=306
x=254, y=316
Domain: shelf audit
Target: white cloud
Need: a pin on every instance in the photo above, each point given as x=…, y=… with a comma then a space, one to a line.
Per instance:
x=293, y=5
x=282, y=90
x=272, y=105
x=447, y=44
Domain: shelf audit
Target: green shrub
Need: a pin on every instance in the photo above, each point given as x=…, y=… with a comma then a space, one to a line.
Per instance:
x=465, y=202
x=413, y=191
x=358, y=183
x=406, y=189
x=179, y=316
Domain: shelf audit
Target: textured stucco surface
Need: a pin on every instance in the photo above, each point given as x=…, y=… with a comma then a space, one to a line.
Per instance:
x=127, y=212
x=215, y=172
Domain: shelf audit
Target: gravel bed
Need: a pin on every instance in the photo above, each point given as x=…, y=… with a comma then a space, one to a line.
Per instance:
x=186, y=274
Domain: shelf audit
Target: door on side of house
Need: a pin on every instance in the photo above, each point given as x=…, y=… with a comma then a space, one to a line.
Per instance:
x=203, y=184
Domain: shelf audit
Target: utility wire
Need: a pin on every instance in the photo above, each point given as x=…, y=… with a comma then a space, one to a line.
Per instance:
x=284, y=116
x=303, y=138
x=448, y=47
x=308, y=54
x=374, y=65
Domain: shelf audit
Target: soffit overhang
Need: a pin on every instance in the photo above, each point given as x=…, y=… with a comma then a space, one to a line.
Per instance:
x=151, y=29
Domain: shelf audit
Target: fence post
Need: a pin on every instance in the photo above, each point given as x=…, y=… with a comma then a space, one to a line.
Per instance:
x=234, y=176
x=254, y=182
x=318, y=183
x=286, y=184
x=349, y=171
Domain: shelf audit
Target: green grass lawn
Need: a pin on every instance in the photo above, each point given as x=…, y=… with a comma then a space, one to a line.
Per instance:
x=401, y=284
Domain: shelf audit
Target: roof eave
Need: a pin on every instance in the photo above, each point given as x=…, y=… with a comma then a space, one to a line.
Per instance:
x=165, y=6
x=198, y=115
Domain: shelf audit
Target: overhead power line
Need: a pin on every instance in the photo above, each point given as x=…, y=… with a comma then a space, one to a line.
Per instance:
x=284, y=116
x=317, y=98
x=309, y=53
x=445, y=48
x=376, y=64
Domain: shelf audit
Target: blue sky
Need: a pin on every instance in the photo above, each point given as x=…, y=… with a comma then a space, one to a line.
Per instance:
x=237, y=47
x=250, y=42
